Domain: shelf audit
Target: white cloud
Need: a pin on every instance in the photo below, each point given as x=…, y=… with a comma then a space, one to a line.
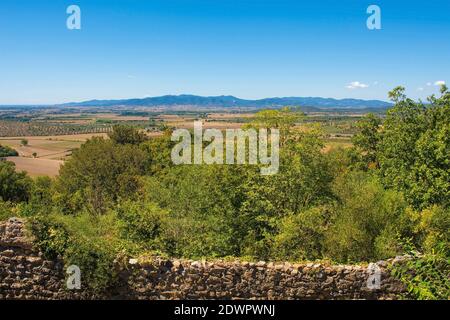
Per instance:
x=356, y=85
x=420, y=89
x=429, y=84
x=375, y=83
x=439, y=83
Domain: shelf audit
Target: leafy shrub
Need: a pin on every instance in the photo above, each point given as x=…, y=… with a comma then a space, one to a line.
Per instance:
x=202, y=218
x=41, y=192
x=50, y=236
x=159, y=149
x=14, y=186
x=6, y=210
x=126, y=134
x=91, y=243
x=98, y=174
x=141, y=222
x=367, y=140
x=301, y=235
x=6, y=151
x=40, y=198
x=414, y=150
x=364, y=217
x=432, y=227
x=427, y=277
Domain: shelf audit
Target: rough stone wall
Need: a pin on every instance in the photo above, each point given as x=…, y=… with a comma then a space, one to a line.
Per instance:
x=25, y=274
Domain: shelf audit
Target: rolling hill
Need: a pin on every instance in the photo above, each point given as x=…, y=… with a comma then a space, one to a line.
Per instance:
x=231, y=101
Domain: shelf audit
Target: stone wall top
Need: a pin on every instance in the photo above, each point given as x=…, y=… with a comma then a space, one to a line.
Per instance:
x=12, y=234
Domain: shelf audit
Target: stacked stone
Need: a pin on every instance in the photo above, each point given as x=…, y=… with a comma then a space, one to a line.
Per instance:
x=24, y=273
x=187, y=279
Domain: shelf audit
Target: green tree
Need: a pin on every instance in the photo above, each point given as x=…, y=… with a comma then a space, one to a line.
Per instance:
x=6, y=151
x=414, y=153
x=203, y=203
x=41, y=192
x=283, y=119
x=158, y=150
x=301, y=236
x=303, y=181
x=98, y=174
x=367, y=140
x=141, y=222
x=366, y=220
x=125, y=134
x=14, y=186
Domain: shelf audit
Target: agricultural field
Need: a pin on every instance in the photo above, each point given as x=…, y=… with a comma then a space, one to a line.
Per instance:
x=10, y=128
x=43, y=155
x=37, y=167
x=47, y=147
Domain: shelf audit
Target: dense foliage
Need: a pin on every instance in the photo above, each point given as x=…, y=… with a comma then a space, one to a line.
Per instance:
x=386, y=196
x=14, y=186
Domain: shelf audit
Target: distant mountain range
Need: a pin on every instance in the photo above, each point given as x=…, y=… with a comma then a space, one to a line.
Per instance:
x=230, y=101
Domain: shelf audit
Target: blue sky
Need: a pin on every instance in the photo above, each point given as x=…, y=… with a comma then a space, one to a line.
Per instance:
x=250, y=49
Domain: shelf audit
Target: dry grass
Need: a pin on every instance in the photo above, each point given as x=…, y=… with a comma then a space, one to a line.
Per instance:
x=48, y=147
x=37, y=167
